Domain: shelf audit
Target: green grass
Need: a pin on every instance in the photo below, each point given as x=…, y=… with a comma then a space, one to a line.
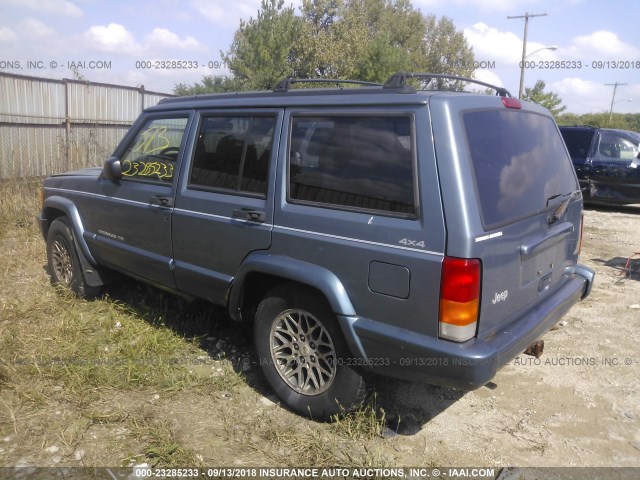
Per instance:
x=130, y=377
x=366, y=423
x=60, y=352
x=164, y=448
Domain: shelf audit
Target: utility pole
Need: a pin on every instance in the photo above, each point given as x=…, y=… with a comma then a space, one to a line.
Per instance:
x=526, y=17
x=613, y=98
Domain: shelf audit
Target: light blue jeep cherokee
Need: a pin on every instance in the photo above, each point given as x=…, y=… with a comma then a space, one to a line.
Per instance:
x=426, y=235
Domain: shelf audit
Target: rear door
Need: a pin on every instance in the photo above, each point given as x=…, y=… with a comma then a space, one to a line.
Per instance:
x=523, y=203
x=222, y=211
x=581, y=143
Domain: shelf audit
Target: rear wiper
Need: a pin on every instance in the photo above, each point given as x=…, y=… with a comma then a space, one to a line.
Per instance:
x=559, y=212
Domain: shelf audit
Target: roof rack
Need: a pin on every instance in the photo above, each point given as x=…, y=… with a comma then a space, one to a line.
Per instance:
x=399, y=81
x=285, y=84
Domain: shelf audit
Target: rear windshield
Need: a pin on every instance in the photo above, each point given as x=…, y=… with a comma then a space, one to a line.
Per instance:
x=578, y=142
x=521, y=166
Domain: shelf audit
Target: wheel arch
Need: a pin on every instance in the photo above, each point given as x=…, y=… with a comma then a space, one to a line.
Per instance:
x=262, y=271
x=56, y=207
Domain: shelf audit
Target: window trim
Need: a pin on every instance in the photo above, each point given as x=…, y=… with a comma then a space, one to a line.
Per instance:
x=132, y=135
x=360, y=113
x=235, y=114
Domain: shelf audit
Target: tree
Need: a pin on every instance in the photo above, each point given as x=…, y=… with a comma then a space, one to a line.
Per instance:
x=623, y=121
x=549, y=100
x=391, y=37
x=209, y=84
x=372, y=39
x=260, y=53
x=315, y=54
x=447, y=52
x=346, y=39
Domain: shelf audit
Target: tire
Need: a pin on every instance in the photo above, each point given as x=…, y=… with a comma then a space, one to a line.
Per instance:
x=303, y=354
x=63, y=261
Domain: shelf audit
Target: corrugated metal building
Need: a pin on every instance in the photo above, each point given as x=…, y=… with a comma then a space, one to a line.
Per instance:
x=49, y=126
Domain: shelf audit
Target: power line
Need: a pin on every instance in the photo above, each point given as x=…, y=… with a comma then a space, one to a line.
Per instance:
x=526, y=17
x=613, y=97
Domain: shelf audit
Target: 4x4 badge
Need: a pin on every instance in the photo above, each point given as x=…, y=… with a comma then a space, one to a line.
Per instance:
x=412, y=243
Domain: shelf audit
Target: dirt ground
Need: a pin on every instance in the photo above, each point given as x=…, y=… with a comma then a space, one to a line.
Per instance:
x=578, y=405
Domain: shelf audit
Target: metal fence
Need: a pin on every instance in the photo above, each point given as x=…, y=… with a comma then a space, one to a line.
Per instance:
x=49, y=126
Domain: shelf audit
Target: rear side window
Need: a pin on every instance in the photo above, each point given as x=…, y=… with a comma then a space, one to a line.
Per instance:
x=232, y=153
x=578, y=141
x=353, y=162
x=521, y=166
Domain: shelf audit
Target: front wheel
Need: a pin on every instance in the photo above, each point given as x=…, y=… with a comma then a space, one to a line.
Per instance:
x=63, y=262
x=304, y=355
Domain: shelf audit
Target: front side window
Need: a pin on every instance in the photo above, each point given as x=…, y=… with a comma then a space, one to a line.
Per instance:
x=353, y=162
x=232, y=153
x=614, y=147
x=153, y=152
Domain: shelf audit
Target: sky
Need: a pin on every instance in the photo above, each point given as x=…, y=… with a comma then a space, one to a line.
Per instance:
x=124, y=42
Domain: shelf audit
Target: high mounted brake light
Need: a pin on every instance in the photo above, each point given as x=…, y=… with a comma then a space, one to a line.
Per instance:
x=511, y=102
x=459, y=298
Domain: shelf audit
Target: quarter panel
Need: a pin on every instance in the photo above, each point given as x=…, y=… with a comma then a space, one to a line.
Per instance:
x=515, y=276
x=346, y=242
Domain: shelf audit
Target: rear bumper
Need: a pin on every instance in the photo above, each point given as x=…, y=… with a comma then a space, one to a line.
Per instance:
x=404, y=354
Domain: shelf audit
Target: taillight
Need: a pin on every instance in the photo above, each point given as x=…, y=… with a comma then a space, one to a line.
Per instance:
x=459, y=298
x=511, y=102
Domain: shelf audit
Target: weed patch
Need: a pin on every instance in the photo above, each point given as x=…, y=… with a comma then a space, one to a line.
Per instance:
x=140, y=376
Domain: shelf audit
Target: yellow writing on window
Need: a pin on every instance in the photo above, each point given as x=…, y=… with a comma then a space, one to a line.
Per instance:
x=152, y=140
x=136, y=168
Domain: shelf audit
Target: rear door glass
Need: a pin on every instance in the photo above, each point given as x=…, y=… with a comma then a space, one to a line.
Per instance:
x=232, y=153
x=520, y=164
x=353, y=163
x=578, y=142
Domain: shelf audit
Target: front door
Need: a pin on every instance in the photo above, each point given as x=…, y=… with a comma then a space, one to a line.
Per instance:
x=132, y=221
x=615, y=168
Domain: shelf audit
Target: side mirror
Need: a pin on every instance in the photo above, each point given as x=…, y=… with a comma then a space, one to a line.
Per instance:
x=112, y=169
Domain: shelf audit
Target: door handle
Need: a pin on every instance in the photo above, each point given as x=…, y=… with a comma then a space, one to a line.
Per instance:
x=161, y=201
x=249, y=214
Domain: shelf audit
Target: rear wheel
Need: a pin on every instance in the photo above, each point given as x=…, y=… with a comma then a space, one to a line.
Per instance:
x=304, y=355
x=64, y=265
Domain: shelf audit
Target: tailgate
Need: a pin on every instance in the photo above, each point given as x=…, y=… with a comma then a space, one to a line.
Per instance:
x=529, y=261
x=529, y=205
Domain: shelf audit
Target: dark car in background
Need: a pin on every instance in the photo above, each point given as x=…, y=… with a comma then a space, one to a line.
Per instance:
x=607, y=163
